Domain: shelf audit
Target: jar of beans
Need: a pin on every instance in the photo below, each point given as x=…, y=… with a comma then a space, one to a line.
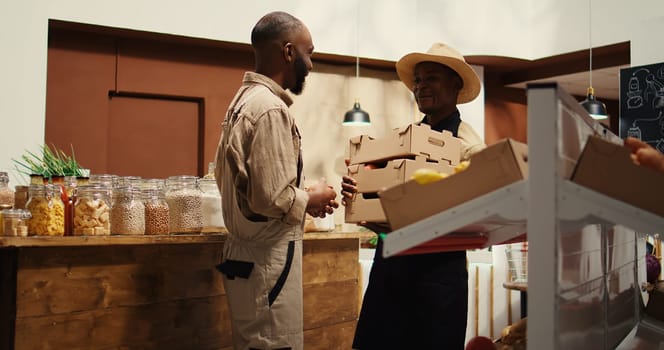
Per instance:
x=184, y=204
x=127, y=211
x=92, y=211
x=47, y=210
x=156, y=212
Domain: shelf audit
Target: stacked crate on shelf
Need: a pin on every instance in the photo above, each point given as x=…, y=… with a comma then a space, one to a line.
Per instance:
x=380, y=163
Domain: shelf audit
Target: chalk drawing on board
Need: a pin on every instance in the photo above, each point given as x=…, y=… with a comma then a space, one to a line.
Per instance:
x=649, y=124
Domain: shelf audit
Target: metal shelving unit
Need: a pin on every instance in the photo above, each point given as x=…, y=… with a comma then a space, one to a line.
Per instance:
x=500, y=214
x=552, y=209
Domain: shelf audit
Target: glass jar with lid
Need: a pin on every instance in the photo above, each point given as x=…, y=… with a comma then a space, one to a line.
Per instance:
x=47, y=210
x=3, y=207
x=156, y=212
x=184, y=204
x=15, y=222
x=107, y=181
x=20, y=196
x=127, y=211
x=6, y=193
x=213, y=220
x=92, y=211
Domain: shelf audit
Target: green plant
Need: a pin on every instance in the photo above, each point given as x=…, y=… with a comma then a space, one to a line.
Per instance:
x=51, y=162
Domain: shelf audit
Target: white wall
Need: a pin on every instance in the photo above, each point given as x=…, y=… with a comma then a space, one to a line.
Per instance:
x=389, y=28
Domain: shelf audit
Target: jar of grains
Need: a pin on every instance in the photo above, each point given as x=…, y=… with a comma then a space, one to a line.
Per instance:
x=6, y=193
x=127, y=211
x=184, y=205
x=20, y=196
x=47, y=210
x=156, y=212
x=92, y=211
x=213, y=220
x=15, y=222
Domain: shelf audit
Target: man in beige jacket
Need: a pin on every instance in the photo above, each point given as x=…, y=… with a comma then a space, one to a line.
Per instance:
x=259, y=173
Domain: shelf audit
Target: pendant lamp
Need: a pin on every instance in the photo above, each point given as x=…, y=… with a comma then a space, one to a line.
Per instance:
x=357, y=116
x=595, y=108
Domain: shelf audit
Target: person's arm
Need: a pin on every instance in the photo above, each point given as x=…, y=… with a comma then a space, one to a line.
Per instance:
x=644, y=154
x=272, y=170
x=272, y=174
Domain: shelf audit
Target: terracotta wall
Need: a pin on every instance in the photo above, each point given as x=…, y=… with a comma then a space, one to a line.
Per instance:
x=132, y=106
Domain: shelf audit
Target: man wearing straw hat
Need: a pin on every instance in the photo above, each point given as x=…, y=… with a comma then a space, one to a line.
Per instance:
x=421, y=301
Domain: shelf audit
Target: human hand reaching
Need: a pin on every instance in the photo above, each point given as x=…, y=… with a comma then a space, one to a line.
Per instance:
x=644, y=154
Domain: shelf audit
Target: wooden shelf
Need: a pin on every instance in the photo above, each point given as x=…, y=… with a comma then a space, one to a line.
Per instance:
x=73, y=241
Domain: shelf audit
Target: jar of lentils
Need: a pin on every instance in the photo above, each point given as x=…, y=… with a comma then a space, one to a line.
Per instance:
x=184, y=204
x=47, y=210
x=156, y=212
x=92, y=211
x=127, y=211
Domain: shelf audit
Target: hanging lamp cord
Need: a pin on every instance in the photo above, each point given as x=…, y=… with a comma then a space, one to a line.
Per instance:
x=590, y=40
x=357, y=52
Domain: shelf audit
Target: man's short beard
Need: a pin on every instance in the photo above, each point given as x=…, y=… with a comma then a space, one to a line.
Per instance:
x=300, y=75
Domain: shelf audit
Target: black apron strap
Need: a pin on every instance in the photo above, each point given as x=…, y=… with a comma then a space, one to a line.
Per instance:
x=284, y=274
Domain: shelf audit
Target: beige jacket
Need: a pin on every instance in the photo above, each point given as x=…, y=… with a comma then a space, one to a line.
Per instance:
x=259, y=164
x=259, y=174
x=471, y=142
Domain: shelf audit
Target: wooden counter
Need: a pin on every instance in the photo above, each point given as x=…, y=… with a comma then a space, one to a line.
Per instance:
x=156, y=292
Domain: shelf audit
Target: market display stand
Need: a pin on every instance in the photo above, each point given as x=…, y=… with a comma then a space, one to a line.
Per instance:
x=155, y=292
x=587, y=298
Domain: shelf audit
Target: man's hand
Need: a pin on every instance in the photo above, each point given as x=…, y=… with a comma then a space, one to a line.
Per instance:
x=321, y=199
x=348, y=189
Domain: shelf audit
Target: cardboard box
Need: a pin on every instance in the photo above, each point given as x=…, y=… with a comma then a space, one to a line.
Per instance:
x=494, y=167
x=396, y=171
x=406, y=142
x=608, y=168
x=364, y=209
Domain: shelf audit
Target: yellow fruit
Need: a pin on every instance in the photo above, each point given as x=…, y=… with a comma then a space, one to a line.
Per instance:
x=425, y=176
x=461, y=166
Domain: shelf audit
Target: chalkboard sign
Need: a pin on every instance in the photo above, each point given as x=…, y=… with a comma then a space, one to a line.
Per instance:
x=642, y=104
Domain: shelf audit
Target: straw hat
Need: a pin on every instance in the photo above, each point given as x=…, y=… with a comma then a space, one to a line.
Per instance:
x=445, y=55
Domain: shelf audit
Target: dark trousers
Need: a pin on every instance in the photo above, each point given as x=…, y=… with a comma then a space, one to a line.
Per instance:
x=415, y=302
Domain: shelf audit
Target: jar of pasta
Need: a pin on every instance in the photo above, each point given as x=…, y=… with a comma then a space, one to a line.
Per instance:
x=185, y=205
x=156, y=212
x=127, y=211
x=92, y=211
x=47, y=210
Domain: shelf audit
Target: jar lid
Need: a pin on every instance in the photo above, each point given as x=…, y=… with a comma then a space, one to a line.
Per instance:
x=16, y=213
